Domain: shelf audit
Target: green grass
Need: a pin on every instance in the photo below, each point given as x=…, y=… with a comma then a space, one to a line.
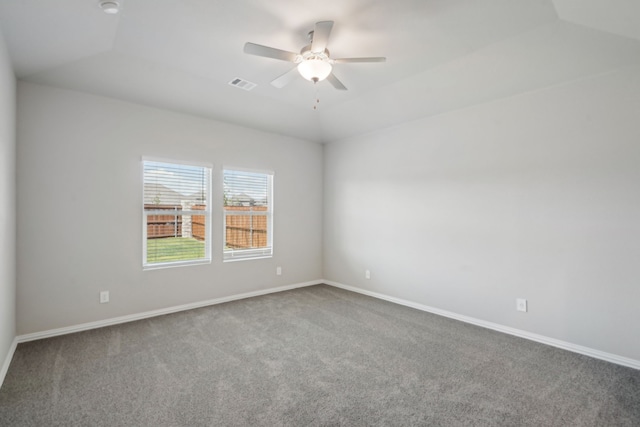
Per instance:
x=170, y=249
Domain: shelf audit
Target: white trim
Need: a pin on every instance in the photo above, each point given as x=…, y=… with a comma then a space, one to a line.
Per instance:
x=7, y=360
x=247, y=257
x=597, y=354
x=175, y=212
x=250, y=170
x=153, y=313
x=172, y=264
x=177, y=161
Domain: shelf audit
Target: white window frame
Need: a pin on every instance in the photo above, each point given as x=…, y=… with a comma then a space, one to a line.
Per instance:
x=206, y=213
x=231, y=255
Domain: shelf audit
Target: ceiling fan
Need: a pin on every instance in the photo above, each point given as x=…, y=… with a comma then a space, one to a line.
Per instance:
x=314, y=62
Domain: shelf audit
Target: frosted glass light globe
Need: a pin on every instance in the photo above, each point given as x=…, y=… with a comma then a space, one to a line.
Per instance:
x=314, y=69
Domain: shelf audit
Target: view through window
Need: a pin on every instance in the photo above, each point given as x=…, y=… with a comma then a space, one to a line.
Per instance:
x=248, y=221
x=176, y=214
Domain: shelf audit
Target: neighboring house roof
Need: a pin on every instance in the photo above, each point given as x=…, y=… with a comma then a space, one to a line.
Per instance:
x=241, y=200
x=161, y=195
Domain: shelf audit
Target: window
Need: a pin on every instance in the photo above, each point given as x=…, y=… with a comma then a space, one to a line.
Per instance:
x=248, y=214
x=176, y=214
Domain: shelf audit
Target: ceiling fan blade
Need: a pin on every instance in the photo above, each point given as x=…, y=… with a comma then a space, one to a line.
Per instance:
x=321, y=36
x=285, y=79
x=372, y=59
x=335, y=82
x=270, y=52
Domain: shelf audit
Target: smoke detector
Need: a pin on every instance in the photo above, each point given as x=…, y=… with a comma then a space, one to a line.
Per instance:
x=110, y=7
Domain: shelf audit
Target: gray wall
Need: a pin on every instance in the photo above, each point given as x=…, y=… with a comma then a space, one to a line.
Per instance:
x=7, y=203
x=535, y=196
x=79, y=206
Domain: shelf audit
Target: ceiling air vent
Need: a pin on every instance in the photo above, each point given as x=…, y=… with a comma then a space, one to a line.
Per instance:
x=242, y=84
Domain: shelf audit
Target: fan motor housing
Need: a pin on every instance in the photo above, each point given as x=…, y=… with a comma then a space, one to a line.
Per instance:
x=306, y=53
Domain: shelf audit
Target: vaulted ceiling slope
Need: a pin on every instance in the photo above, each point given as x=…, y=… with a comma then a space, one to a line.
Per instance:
x=442, y=55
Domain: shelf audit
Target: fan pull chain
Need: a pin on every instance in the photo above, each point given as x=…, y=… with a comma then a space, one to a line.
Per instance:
x=315, y=105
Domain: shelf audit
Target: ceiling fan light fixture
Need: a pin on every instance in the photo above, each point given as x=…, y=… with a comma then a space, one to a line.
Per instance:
x=314, y=62
x=314, y=69
x=110, y=7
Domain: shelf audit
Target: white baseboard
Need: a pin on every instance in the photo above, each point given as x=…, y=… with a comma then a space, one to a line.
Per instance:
x=7, y=360
x=609, y=357
x=153, y=313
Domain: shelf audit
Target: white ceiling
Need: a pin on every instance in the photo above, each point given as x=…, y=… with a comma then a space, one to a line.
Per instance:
x=442, y=55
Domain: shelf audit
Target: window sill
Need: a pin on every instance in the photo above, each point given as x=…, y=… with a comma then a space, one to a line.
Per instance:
x=163, y=265
x=247, y=258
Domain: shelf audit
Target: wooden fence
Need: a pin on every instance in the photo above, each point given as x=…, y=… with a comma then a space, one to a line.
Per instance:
x=198, y=223
x=246, y=231
x=241, y=232
x=171, y=223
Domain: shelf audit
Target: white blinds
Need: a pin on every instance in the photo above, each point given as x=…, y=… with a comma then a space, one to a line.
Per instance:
x=171, y=183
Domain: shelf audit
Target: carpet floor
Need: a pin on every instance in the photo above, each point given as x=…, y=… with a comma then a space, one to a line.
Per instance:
x=315, y=356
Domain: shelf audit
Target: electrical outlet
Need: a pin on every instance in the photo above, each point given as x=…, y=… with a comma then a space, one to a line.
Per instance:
x=367, y=274
x=279, y=271
x=521, y=304
x=104, y=297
